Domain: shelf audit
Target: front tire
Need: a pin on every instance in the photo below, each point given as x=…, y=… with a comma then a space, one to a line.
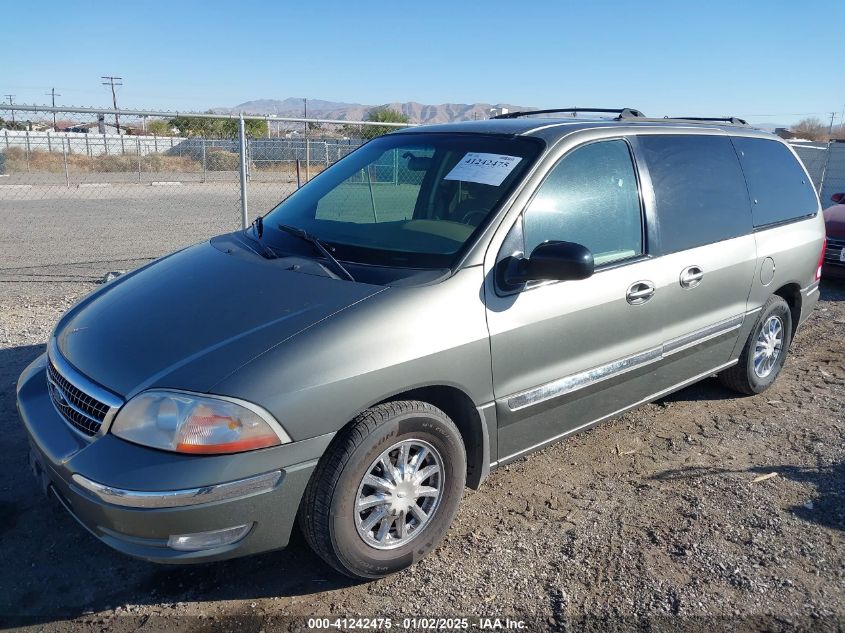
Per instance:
x=764, y=352
x=386, y=491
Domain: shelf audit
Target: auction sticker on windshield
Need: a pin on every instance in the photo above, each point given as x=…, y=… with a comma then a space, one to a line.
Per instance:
x=487, y=169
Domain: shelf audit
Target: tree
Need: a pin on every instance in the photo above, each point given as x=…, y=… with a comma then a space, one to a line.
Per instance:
x=217, y=128
x=17, y=125
x=382, y=114
x=811, y=128
x=160, y=128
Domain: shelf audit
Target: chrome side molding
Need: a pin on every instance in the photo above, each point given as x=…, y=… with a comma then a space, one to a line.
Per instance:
x=651, y=398
x=573, y=382
x=580, y=380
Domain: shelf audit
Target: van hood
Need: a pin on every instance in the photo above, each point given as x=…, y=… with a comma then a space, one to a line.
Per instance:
x=188, y=320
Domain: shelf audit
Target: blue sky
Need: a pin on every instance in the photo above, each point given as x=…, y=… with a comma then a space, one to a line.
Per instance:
x=773, y=61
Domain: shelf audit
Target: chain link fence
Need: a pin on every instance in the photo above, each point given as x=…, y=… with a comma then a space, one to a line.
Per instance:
x=102, y=185
x=826, y=164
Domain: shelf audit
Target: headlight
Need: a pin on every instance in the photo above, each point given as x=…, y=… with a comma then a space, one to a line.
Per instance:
x=192, y=423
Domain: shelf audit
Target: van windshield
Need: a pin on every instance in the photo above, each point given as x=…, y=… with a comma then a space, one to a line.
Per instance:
x=407, y=200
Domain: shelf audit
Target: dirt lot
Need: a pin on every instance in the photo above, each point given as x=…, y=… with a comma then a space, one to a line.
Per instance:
x=658, y=520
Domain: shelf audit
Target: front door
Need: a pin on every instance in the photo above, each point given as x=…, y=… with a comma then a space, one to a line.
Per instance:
x=566, y=354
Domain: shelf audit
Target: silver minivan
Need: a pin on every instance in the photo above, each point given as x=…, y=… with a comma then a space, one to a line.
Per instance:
x=440, y=302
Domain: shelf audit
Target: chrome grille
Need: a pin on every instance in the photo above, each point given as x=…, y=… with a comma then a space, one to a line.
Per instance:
x=82, y=411
x=833, y=252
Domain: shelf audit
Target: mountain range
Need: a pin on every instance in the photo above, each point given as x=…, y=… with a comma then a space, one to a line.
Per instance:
x=416, y=112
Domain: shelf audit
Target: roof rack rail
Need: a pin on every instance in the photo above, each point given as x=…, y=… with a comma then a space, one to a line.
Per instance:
x=733, y=120
x=622, y=113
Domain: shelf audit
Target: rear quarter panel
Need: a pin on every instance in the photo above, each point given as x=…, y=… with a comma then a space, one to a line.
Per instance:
x=794, y=248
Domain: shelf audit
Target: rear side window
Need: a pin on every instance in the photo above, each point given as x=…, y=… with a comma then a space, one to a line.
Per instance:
x=590, y=197
x=699, y=190
x=779, y=188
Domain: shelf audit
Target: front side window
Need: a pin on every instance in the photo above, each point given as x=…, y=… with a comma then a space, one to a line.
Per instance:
x=590, y=197
x=407, y=200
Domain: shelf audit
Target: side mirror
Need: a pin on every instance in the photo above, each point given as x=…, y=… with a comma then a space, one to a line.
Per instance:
x=838, y=198
x=559, y=261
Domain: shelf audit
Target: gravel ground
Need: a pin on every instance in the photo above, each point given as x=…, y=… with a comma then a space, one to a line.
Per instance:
x=703, y=511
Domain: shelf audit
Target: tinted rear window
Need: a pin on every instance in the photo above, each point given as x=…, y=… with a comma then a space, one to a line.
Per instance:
x=778, y=186
x=699, y=190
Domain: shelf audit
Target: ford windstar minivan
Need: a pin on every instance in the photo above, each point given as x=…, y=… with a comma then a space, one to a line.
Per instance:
x=438, y=303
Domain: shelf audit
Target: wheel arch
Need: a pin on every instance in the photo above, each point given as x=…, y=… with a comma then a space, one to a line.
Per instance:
x=791, y=293
x=462, y=410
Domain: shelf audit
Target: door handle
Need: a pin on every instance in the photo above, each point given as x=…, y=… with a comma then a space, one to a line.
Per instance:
x=691, y=276
x=640, y=292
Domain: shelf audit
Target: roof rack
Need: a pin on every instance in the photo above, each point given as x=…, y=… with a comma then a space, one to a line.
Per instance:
x=622, y=113
x=733, y=120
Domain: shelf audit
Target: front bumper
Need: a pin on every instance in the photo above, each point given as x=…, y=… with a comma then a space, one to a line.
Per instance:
x=134, y=498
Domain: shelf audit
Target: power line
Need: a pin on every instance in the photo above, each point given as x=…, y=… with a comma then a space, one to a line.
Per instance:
x=113, y=81
x=53, y=94
x=11, y=98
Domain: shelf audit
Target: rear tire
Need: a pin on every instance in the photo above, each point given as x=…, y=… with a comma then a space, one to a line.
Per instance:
x=764, y=352
x=386, y=491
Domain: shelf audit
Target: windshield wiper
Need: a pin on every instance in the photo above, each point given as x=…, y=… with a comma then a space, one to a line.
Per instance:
x=307, y=237
x=258, y=226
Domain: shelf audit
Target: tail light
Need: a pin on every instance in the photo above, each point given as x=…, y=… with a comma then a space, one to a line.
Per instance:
x=821, y=260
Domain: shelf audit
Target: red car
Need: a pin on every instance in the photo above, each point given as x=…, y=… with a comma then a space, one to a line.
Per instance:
x=834, y=255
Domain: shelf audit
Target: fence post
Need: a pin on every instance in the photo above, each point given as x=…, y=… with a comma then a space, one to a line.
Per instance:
x=64, y=156
x=242, y=147
x=50, y=143
x=26, y=139
x=203, y=160
x=824, y=169
x=7, y=138
x=122, y=146
x=138, y=147
x=307, y=154
x=87, y=147
x=105, y=144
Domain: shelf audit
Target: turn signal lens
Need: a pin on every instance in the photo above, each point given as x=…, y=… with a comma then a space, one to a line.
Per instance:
x=192, y=423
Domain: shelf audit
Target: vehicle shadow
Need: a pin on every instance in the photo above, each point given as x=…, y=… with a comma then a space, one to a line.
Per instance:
x=709, y=389
x=825, y=509
x=53, y=569
x=832, y=289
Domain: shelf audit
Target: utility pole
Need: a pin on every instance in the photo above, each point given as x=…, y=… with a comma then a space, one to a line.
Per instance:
x=53, y=94
x=111, y=82
x=830, y=127
x=842, y=122
x=11, y=98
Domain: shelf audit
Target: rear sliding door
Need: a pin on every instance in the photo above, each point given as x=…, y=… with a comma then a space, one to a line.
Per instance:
x=707, y=249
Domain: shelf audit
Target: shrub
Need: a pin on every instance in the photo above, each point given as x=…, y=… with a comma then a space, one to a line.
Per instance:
x=221, y=160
